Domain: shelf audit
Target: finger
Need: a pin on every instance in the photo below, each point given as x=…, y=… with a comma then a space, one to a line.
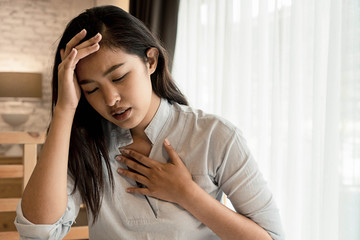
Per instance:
x=95, y=39
x=142, y=191
x=134, y=176
x=85, y=48
x=134, y=165
x=174, y=157
x=62, y=54
x=69, y=60
x=139, y=157
x=74, y=41
x=87, y=51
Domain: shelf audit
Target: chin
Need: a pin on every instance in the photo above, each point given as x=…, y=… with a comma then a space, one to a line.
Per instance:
x=126, y=125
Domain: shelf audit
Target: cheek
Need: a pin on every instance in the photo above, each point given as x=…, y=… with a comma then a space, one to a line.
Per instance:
x=138, y=87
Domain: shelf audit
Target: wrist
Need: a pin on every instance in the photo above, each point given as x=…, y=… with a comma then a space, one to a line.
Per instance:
x=64, y=111
x=189, y=194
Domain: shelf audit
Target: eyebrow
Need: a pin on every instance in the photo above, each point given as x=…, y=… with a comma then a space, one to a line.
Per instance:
x=111, y=69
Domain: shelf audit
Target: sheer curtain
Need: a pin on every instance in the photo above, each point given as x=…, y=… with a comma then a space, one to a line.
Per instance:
x=287, y=73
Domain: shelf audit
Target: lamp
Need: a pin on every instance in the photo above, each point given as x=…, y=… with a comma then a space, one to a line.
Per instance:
x=17, y=89
x=20, y=85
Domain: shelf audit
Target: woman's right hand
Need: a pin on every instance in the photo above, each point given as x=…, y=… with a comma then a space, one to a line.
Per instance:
x=45, y=196
x=69, y=91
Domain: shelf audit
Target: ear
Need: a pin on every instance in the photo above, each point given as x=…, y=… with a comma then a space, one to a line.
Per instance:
x=152, y=59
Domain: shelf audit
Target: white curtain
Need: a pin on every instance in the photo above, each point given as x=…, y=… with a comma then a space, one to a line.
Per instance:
x=287, y=73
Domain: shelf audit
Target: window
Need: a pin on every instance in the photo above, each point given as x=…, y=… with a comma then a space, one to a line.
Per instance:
x=287, y=73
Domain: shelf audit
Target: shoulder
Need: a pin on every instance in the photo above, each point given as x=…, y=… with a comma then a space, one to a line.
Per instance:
x=210, y=128
x=208, y=140
x=203, y=120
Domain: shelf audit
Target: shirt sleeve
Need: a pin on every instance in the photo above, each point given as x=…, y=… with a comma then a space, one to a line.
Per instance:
x=241, y=180
x=59, y=229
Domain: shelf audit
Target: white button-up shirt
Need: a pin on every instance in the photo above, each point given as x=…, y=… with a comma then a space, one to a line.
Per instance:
x=215, y=153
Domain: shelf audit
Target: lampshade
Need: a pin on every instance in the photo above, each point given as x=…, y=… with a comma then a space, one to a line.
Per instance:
x=20, y=85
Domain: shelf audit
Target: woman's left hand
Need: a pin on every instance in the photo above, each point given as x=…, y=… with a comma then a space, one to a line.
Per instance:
x=167, y=181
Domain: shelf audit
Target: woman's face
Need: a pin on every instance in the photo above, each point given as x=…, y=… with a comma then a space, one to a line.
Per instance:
x=118, y=86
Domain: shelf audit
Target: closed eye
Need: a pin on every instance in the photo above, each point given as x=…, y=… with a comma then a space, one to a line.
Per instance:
x=115, y=80
x=120, y=78
x=90, y=92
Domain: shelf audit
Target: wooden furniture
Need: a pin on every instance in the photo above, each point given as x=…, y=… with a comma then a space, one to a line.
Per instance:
x=30, y=141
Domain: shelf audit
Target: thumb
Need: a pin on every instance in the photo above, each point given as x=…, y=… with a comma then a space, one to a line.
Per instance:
x=174, y=157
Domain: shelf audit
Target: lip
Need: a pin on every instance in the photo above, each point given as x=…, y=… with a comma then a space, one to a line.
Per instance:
x=121, y=114
x=118, y=110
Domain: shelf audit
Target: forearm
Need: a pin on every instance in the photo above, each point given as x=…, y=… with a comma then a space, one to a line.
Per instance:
x=222, y=221
x=45, y=197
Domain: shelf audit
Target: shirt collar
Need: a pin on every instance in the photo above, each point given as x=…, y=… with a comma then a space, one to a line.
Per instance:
x=120, y=137
x=157, y=124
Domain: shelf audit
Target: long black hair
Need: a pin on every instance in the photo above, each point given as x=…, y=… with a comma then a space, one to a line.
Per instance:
x=88, y=153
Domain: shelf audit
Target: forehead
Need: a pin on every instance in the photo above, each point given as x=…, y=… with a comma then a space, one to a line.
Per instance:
x=100, y=61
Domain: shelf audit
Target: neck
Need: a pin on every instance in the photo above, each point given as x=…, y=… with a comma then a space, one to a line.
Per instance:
x=139, y=131
x=138, y=134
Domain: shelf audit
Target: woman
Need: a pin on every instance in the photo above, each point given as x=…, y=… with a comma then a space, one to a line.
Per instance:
x=123, y=141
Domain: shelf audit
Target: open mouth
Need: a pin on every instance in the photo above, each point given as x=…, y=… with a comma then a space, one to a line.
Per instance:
x=122, y=114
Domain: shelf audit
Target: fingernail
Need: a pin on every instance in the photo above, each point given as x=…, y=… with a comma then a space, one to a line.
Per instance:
x=118, y=158
x=124, y=151
x=167, y=142
x=120, y=171
x=84, y=30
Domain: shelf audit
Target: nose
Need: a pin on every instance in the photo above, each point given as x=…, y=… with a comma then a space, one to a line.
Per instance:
x=111, y=95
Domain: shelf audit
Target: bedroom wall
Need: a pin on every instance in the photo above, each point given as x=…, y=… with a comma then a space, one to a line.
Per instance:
x=29, y=33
